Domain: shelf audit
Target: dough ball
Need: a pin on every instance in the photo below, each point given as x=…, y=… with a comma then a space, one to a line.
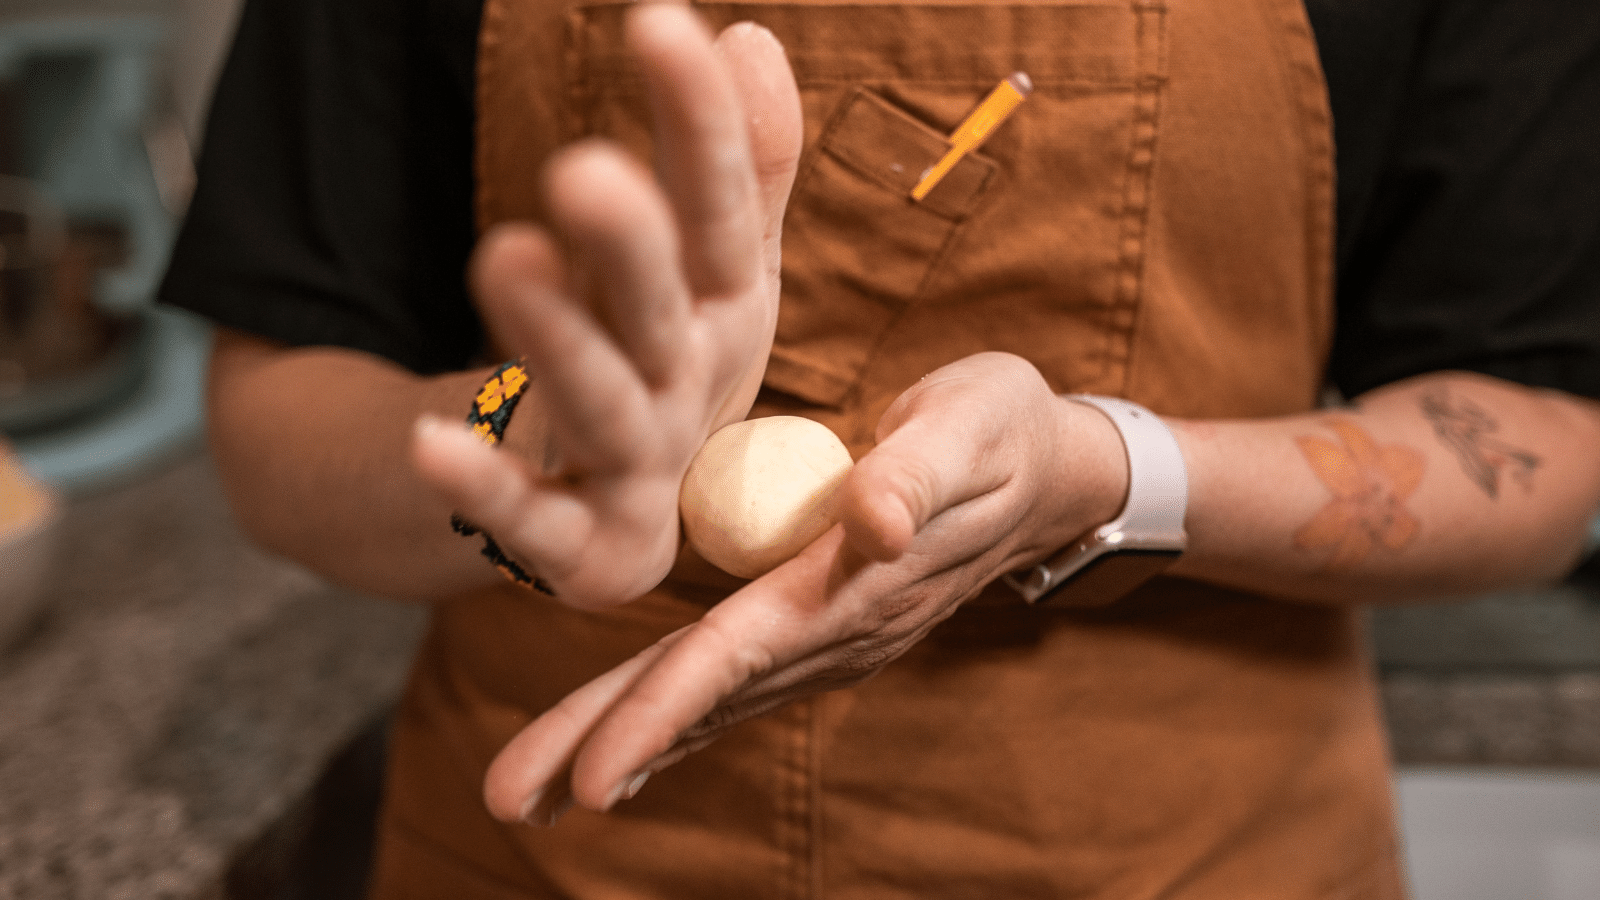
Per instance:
x=760, y=490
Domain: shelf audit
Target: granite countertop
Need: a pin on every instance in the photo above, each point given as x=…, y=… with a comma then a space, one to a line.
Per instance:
x=191, y=718
x=178, y=699
x=1500, y=680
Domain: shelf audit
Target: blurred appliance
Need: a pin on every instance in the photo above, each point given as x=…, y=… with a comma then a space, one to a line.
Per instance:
x=95, y=383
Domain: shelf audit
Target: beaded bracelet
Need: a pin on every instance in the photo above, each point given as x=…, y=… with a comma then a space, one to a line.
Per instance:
x=491, y=412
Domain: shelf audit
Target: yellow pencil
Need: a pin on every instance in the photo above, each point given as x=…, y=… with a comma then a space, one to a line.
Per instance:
x=977, y=127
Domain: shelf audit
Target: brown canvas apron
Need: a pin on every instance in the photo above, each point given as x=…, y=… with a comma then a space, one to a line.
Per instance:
x=1153, y=223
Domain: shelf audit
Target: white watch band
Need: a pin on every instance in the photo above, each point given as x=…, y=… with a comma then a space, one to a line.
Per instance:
x=1151, y=522
x=1158, y=481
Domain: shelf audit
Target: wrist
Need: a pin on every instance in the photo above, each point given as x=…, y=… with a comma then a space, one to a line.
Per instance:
x=491, y=413
x=1089, y=475
x=1146, y=533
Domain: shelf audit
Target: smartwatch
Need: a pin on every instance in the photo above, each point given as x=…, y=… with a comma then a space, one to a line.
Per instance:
x=1142, y=541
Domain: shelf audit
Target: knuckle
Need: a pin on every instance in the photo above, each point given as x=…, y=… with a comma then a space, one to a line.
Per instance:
x=749, y=659
x=717, y=721
x=863, y=658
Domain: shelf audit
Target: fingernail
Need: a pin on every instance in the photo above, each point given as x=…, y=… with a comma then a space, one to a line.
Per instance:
x=528, y=808
x=627, y=789
x=428, y=423
x=559, y=810
x=759, y=31
x=533, y=816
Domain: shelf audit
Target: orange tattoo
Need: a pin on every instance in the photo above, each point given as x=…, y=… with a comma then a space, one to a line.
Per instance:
x=1369, y=484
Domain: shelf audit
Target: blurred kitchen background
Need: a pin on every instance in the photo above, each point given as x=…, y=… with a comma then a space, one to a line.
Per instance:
x=182, y=716
x=101, y=103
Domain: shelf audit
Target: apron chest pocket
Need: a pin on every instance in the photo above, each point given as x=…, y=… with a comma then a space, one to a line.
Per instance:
x=1048, y=215
x=856, y=247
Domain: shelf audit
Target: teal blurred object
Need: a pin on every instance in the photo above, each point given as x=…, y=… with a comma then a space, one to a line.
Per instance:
x=83, y=123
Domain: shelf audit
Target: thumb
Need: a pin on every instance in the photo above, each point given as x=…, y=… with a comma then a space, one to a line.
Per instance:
x=893, y=491
x=771, y=103
x=942, y=442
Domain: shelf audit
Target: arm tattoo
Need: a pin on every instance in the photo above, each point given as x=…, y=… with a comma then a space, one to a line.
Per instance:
x=1369, y=484
x=1467, y=430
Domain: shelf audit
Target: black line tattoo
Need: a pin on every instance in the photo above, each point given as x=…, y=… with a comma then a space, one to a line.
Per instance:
x=1467, y=429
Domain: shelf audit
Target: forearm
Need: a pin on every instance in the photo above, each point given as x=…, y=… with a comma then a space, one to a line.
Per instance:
x=312, y=446
x=1446, y=484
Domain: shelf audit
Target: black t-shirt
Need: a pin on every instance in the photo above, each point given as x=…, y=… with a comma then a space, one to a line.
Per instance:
x=335, y=196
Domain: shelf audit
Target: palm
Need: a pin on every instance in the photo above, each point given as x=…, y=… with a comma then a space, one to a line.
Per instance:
x=647, y=321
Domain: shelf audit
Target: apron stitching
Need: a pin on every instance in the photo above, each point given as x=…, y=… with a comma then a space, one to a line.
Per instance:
x=1316, y=148
x=484, y=75
x=957, y=226
x=576, y=77
x=1123, y=315
x=794, y=843
x=814, y=796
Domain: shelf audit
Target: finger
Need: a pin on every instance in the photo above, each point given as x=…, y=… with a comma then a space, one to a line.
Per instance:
x=771, y=622
x=590, y=389
x=615, y=215
x=508, y=259
x=875, y=510
x=543, y=531
x=927, y=464
x=527, y=779
x=702, y=148
x=771, y=101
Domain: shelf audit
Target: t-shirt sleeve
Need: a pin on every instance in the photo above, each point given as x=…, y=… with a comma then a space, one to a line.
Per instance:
x=334, y=196
x=1479, y=245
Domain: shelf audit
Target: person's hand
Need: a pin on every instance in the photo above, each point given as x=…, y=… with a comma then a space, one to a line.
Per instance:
x=979, y=469
x=645, y=323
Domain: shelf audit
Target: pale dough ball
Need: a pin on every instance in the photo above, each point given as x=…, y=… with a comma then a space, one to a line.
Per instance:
x=760, y=490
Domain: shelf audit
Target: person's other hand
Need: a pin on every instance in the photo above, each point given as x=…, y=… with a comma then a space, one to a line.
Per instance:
x=978, y=470
x=645, y=323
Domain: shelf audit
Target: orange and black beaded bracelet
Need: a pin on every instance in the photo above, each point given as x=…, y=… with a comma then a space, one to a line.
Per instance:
x=491, y=412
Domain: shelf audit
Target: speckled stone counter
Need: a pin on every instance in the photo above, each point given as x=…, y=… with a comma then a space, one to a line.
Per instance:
x=178, y=698
x=189, y=715
x=1501, y=680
